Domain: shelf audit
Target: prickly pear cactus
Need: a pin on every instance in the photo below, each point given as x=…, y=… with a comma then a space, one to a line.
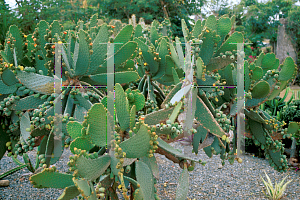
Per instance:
x=27, y=82
x=115, y=152
x=130, y=161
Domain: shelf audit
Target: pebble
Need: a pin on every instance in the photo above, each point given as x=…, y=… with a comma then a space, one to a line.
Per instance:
x=4, y=183
x=213, y=181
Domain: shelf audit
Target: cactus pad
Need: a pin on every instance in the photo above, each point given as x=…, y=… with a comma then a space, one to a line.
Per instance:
x=138, y=145
x=288, y=70
x=145, y=179
x=37, y=83
x=74, y=129
x=90, y=169
x=81, y=143
x=260, y=89
x=96, y=120
x=122, y=107
x=69, y=193
x=183, y=185
x=9, y=78
x=50, y=178
x=206, y=119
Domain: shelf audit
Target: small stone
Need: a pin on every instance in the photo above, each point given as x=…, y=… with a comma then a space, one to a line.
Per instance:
x=220, y=166
x=4, y=183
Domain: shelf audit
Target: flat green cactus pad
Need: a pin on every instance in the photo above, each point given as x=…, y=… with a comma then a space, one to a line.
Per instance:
x=82, y=61
x=216, y=145
x=206, y=119
x=183, y=185
x=85, y=188
x=132, y=116
x=168, y=148
x=138, y=194
x=257, y=73
x=255, y=115
x=230, y=43
x=175, y=76
x=218, y=63
x=16, y=33
x=180, y=52
x=175, y=112
x=122, y=107
x=124, y=53
x=276, y=157
x=152, y=164
x=247, y=76
x=83, y=102
x=123, y=36
x=69, y=193
x=206, y=52
x=257, y=131
x=261, y=89
x=155, y=117
x=50, y=179
x=36, y=82
x=200, y=135
x=114, y=162
x=9, y=78
x=5, y=89
x=145, y=179
x=138, y=32
x=258, y=60
x=138, y=145
x=147, y=56
x=197, y=29
x=120, y=77
x=79, y=113
x=175, y=56
x=211, y=22
x=208, y=151
x=153, y=34
x=96, y=119
x=81, y=143
x=139, y=99
x=269, y=62
x=74, y=129
x=24, y=124
x=39, y=132
x=99, y=49
x=163, y=51
x=199, y=67
x=288, y=70
x=90, y=169
x=27, y=103
x=223, y=28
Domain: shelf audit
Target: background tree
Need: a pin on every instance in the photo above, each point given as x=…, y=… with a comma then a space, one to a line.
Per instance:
x=175, y=10
x=261, y=20
x=6, y=19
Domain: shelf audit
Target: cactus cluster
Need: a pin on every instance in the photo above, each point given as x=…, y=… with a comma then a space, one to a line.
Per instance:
x=115, y=150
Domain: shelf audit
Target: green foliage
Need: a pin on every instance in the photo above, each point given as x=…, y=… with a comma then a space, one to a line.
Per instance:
x=116, y=148
x=6, y=19
x=291, y=112
x=258, y=24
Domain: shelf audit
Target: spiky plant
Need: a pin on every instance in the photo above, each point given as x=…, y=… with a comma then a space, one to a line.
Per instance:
x=207, y=112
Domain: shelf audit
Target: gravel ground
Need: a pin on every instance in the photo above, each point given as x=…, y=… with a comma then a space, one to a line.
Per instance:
x=237, y=181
